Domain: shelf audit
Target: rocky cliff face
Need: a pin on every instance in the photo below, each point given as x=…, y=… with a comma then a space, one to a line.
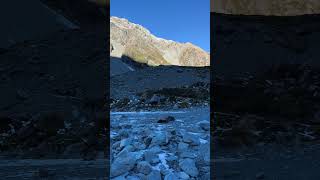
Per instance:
x=136, y=42
x=266, y=7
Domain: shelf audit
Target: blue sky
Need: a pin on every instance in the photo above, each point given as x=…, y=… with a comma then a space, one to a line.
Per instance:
x=178, y=20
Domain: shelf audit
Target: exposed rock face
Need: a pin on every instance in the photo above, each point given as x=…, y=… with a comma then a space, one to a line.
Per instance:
x=134, y=41
x=266, y=7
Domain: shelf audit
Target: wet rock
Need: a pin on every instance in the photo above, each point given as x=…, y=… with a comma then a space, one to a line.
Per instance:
x=144, y=167
x=166, y=119
x=122, y=164
x=189, y=167
x=171, y=176
x=154, y=175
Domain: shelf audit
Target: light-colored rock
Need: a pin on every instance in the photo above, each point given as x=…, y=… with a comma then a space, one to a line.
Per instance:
x=163, y=170
x=125, y=142
x=171, y=176
x=183, y=146
x=132, y=178
x=119, y=178
x=150, y=156
x=123, y=164
x=205, y=125
x=144, y=167
x=182, y=175
x=188, y=154
x=204, y=153
x=154, y=175
x=134, y=41
x=191, y=139
x=189, y=167
x=266, y=7
x=159, y=139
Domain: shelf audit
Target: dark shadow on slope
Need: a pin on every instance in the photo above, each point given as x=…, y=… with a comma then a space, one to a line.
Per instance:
x=82, y=12
x=255, y=43
x=265, y=89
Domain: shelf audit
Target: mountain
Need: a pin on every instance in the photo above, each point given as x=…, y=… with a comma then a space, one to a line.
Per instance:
x=266, y=7
x=136, y=42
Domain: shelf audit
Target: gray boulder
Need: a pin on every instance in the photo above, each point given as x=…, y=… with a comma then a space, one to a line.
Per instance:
x=144, y=167
x=189, y=167
x=123, y=164
x=191, y=139
x=154, y=175
x=183, y=146
x=183, y=175
x=171, y=176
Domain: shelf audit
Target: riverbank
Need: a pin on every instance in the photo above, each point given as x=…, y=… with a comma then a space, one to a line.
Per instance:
x=163, y=144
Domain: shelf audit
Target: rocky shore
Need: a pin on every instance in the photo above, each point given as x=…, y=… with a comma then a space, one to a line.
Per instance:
x=160, y=144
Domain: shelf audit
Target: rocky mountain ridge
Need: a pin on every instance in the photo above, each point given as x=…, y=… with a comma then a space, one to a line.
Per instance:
x=266, y=7
x=136, y=42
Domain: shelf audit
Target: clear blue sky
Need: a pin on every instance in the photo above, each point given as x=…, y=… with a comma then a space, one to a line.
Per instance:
x=178, y=20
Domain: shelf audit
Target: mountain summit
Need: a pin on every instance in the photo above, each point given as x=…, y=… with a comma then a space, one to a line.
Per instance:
x=136, y=42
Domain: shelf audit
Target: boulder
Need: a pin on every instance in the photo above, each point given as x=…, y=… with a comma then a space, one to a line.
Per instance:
x=189, y=167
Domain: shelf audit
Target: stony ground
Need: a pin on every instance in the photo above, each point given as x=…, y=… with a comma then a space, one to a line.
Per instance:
x=267, y=126
x=161, y=144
